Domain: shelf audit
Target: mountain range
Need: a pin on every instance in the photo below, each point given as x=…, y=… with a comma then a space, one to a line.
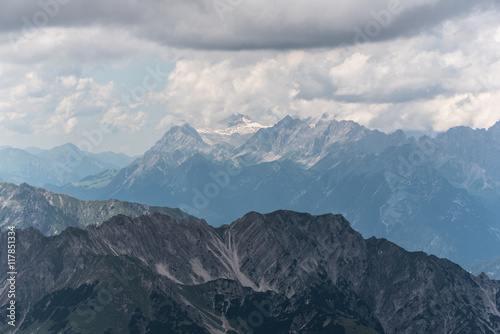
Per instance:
x=440, y=195
x=283, y=272
x=59, y=165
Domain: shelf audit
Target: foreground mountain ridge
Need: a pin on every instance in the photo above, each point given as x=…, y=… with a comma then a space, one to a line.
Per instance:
x=293, y=272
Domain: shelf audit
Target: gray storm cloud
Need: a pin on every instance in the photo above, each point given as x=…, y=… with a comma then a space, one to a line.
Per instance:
x=241, y=24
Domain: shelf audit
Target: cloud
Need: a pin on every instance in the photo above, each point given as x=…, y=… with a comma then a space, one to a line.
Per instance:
x=57, y=123
x=33, y=105
x=238, y=24
x=121, y=120
x=427, y=82
x=69, y=49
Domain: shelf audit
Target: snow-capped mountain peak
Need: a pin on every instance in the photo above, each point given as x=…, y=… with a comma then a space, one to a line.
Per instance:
x=235, y=124
x=234, y=130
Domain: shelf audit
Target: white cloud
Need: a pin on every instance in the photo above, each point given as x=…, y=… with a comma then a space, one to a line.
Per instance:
x=121, y=120
x=410, y=83
x=51, y=107
x=56, y=124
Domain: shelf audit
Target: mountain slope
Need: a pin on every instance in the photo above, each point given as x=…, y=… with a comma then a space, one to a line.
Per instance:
x=176, y=146
x=281, y=272
x=58, y=166
x=25, y=206
x=19, y=166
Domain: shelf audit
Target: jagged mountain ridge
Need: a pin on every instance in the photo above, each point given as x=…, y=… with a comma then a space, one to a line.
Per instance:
x=308, y=141
x=26, y=206
x=312, y=274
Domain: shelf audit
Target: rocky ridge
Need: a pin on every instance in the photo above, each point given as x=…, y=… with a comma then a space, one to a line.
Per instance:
x=26, y=206
x=299, y=273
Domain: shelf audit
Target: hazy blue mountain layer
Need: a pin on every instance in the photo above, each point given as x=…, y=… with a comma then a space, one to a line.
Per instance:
x=58, y=166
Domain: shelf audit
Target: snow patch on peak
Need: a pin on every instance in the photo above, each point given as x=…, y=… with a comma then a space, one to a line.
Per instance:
x=318, y=121
x=235, y=124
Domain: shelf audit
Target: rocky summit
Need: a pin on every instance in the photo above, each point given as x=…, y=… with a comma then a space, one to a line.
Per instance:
x=282, y=272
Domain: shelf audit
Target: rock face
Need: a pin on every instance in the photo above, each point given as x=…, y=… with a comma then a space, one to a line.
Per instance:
x=25, y=206
x=283, y=272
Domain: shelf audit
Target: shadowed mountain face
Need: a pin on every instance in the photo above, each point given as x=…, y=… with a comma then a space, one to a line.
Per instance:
x=25, y=206
x=283, y=272
x=438, y=195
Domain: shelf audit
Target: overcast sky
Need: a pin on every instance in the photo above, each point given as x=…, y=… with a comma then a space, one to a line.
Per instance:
x=67, y=67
